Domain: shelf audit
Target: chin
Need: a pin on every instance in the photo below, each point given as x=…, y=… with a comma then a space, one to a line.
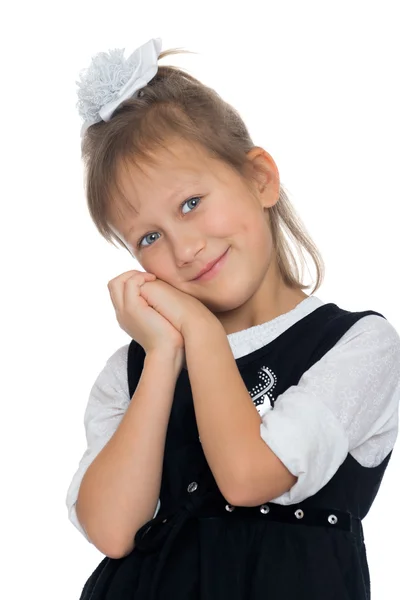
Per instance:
x=227, y=302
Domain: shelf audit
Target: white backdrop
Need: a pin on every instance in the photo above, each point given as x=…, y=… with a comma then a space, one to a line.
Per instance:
x=317, y=84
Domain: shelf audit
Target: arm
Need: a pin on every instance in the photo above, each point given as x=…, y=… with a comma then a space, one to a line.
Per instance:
x=228, y=422
x=347, y=402
x=318, y=417
x=120, y=489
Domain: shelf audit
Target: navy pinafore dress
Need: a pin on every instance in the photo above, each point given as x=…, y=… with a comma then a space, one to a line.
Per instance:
x=199, y=547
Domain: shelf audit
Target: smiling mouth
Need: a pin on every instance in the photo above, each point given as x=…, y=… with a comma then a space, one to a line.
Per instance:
x=217, y=266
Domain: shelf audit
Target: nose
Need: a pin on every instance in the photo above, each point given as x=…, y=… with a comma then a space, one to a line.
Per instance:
x=185, y=248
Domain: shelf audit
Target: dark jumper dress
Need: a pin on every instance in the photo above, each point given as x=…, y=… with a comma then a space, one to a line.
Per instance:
x=200, y=547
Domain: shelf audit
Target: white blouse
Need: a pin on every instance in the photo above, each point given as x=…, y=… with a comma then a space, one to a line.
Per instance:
x=347, y=402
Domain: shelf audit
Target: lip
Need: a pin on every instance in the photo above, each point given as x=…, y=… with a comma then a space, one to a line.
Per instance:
x=212, y=268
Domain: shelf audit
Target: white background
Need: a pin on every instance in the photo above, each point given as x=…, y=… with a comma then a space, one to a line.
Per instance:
x=317, y=84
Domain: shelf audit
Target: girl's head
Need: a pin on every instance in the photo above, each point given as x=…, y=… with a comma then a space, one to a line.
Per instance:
x=175, y=178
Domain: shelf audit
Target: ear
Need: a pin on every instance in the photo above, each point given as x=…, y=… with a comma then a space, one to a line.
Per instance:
x=265, y=175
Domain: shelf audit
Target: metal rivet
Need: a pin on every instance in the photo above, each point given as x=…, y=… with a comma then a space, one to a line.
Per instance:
x=229, y=507
x=165, y=520
x=333, y=519
x=192, y=487
x=299, y=514
x=264, y=509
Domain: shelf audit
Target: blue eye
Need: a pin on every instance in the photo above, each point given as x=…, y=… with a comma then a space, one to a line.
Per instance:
x=139, y=244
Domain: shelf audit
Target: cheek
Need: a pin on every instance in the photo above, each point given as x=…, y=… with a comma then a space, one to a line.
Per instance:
x=224, y=222
x=256, y=234
x=157, y=263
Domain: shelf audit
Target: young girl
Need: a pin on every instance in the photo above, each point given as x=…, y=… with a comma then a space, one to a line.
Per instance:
x=237, y=442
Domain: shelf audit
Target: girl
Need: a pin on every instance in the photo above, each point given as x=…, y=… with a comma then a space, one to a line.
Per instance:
x=237, y=442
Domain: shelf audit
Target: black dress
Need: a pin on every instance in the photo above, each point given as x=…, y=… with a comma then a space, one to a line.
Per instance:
x=200, y=547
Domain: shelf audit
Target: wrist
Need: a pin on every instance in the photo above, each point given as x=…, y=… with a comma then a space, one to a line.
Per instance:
x=166, y=356
x=200, y=321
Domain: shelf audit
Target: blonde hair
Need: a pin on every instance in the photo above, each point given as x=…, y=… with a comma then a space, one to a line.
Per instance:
x=174, y=103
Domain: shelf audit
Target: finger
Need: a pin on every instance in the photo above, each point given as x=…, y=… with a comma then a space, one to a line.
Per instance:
x=125, y=276
x=117, y=285
x=131, y=289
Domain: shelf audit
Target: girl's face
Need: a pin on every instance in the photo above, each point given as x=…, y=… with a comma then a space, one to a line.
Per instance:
x=192, y=208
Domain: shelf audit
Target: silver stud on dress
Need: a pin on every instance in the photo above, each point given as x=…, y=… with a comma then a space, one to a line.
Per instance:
x=299, y=514
x=264, y=508
x=332, y=519
x=229, y=507
x=192, y=487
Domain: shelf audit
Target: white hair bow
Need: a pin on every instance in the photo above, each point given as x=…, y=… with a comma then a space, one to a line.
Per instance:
x=111, y=78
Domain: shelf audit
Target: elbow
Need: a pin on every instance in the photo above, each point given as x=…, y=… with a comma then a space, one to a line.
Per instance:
x=258, y=486
x=118, y=553
x=258, y=492
x=248, y=486
x=240, y=491
x=250, y=495
x=122, y=551
x=110, y=548
x=246, y=495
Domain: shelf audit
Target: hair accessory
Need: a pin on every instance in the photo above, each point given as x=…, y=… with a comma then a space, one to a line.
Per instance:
x=111, y=78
